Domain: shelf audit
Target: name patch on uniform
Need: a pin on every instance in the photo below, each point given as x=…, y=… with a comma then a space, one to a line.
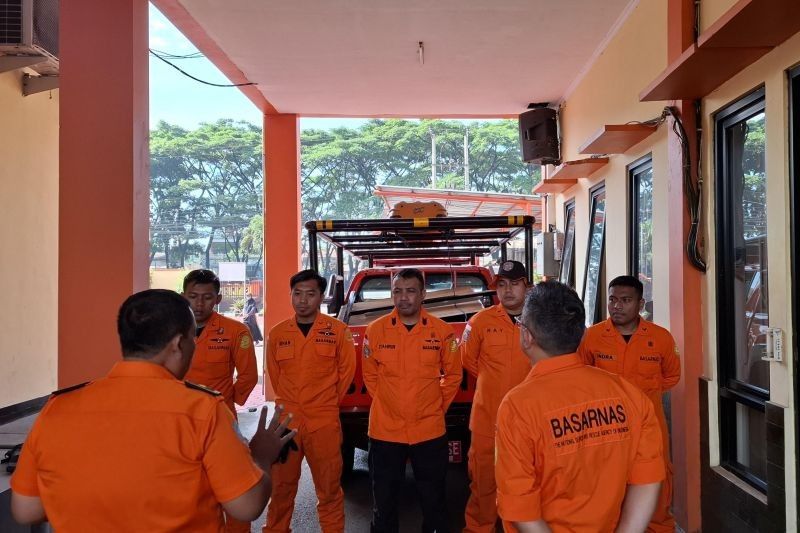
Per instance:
x=650, y=358
x=384, y=346
x=432, y=344
x=605, y=356
x=588, y=424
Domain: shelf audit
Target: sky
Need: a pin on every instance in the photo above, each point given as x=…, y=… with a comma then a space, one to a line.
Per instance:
x=182, y=101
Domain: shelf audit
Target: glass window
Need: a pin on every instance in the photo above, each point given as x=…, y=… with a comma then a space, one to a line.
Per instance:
x=641, y=229
x=474, y=281
x=375, y=288
x=438, y=281
x=567, y=272
x=593, y=282
x=743, y=306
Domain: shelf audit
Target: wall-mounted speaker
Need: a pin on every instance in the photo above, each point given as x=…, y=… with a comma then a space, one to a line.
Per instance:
x=538, y=136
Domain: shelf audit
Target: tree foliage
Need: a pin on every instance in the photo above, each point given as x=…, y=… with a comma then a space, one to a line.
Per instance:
x=207, y=183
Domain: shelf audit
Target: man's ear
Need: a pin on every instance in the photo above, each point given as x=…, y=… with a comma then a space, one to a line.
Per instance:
x=219, y=299
x=641, y=304
x=174, y=344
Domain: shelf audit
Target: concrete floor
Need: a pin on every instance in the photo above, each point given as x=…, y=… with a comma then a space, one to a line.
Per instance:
x=358, y=503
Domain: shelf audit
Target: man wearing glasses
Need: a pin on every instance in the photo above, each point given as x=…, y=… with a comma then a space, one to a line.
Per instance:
x=490, y=351
x=223, y=347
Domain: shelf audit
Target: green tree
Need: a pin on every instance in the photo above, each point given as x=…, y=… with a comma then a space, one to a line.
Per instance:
x=209, y=182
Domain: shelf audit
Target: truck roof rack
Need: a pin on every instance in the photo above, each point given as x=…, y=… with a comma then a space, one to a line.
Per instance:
x=453, y=239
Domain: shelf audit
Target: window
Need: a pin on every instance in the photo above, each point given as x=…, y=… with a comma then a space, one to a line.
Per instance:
x=567, y=272
x=438, y=281
x=593, y=283
x=794, y=145
x=742, y=295
x=473, y=281
x=640, y=228
x=375, y=288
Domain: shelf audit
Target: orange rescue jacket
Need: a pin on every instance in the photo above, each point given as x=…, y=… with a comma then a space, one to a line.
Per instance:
x=570, y=438
x=490, y=351
x=649, y=359
x=225, y=346
x=412, y=377
x=137, y=450
x=310, y=375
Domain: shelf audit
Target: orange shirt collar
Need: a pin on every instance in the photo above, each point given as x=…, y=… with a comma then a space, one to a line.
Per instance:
x=501, y=312
x=554, y=364
x=610, y=330
x=396, y=322
x=139, y=369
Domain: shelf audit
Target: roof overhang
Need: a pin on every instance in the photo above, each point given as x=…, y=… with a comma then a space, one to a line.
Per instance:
x=416, y=58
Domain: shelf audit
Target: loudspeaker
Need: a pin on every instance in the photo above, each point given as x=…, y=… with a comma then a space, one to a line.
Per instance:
x=538, y=136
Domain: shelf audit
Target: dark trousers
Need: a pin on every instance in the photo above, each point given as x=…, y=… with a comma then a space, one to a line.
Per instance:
x=387, y=472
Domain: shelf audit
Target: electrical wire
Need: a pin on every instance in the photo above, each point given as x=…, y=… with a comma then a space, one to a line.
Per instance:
x=169, y=55
x=176, y=67
x=693, y=191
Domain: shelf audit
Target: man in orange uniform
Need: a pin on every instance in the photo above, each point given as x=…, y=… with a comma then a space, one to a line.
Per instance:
x=578, y=449
x=412, y=371
x=223, y=345
x=311, y=361
x=139, y=450
x=490, y=351
x=646, y=355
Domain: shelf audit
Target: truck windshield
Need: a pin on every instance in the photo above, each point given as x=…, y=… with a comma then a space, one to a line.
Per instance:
x=380, y=287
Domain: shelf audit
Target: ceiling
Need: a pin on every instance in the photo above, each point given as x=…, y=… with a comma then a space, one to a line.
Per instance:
x=357, y=58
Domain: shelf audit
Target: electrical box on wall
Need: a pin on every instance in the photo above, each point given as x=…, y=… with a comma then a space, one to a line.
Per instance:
x=546, y=247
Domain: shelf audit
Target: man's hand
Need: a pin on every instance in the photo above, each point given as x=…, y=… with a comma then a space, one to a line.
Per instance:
x=291, y=445
x=266, y=444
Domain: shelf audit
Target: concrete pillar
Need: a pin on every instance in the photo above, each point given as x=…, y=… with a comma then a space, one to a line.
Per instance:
x=103, y=178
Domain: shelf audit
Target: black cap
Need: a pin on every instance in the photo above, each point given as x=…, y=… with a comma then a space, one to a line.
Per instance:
x=512, y=270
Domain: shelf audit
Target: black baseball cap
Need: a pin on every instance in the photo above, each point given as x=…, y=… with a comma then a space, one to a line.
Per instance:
x=511, y=270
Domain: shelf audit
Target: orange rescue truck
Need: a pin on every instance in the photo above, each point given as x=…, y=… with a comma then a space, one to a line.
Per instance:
x=447, y=250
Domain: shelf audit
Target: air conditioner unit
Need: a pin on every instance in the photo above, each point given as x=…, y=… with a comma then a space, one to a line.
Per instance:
x=29, y=29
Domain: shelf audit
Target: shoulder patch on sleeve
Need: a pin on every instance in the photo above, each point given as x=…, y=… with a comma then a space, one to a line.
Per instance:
x=467, y=332
x=202, y=388
x=245, y=342
x=365, y=350
x=70, y=389
x=452, y=343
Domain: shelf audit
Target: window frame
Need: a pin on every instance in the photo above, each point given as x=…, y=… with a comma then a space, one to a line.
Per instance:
x=594, y=193
x=569, y=214
x=793, y=76
x=732, y=392
x=635, y=170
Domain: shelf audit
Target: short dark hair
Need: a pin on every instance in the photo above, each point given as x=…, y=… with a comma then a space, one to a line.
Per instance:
x=203, y=277
x=308, y=275
x=148, y=320
x=555, y=316
x=628, y=281
x=410, y=273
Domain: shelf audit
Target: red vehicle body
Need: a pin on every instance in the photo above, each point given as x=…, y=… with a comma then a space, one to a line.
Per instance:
x=446, y=250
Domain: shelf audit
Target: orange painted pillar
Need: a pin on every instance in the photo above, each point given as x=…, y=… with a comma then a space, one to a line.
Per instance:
x=281, y=214
x=685, y=303
x=103, y=178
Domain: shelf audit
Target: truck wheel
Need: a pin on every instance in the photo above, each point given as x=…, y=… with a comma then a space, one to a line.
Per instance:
x=348, y=459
